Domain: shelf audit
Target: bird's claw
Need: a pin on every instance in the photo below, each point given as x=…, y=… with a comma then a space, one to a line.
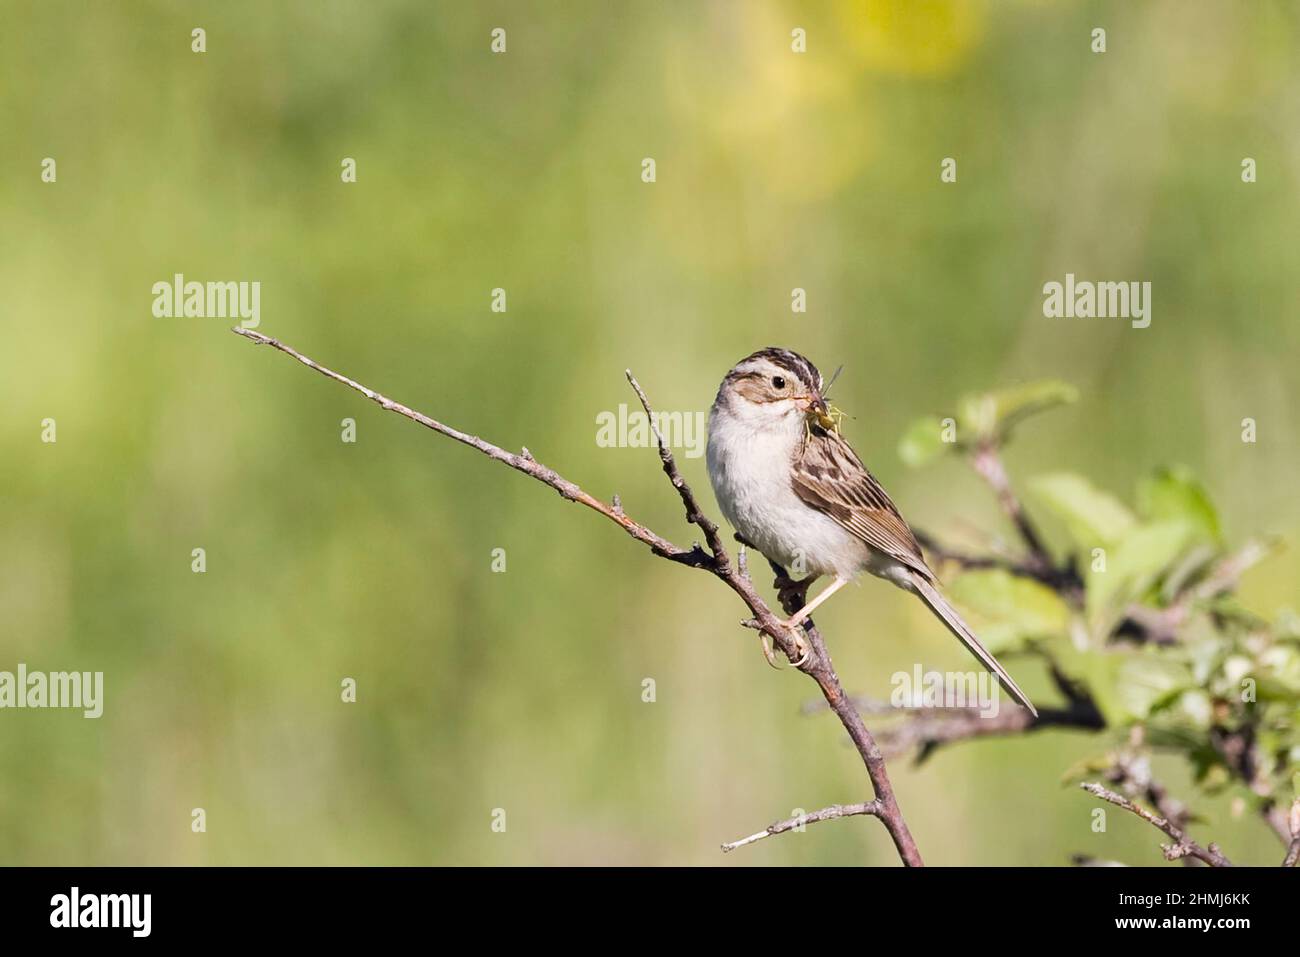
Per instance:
x=801, y=645
x=797, y=637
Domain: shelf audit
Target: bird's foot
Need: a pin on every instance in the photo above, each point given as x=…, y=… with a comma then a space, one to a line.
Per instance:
x=797, y=637
x=801, y=643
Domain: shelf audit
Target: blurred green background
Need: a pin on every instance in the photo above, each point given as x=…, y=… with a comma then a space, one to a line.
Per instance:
x=372, y=560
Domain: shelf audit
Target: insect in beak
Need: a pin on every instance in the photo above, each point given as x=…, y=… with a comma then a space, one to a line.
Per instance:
x=819, y=413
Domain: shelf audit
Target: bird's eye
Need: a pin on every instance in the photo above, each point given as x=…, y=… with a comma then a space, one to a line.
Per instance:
x=778, y=382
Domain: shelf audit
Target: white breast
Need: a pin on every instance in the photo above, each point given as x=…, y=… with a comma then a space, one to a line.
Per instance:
x=750, y=471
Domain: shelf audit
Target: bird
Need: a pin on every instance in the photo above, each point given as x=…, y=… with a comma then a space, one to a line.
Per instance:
x=794, y=490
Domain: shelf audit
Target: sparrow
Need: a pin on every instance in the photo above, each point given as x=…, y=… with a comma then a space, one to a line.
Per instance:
x=795, y=490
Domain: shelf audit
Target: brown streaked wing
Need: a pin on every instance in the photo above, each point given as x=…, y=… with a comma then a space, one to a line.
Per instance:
x=829, y=476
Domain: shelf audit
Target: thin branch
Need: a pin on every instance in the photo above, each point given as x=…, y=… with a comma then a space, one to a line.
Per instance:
x=1239, y=750
x=988, y=464
x=793, y=595
x=522, y=462
x=1293, y=851
x=1183, y=846
x=928, y=728
x=1276, y=818
x=969, y=561
x=716, y=561
x=790, y=824
x=1227, y=574
x=694, y=514
x=1131, y=771
x=1064, y=578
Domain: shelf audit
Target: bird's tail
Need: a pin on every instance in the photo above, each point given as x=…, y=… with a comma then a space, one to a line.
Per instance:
x=939, y=605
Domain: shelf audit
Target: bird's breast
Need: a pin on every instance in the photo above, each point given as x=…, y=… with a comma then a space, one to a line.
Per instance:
x=751, y=476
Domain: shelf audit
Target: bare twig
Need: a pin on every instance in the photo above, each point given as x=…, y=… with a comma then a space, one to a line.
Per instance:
x=715, y=560
x=522, y=462
x=970, y=561
x=694, y=514
x=1239, y=750
x=1227, y=573
x=1183, y=845
x=1275, y=817
x=790, y=824
x=793, y=595
x=987, y=462
x=930, y=729
x=1131, y=772
x=1037, y=563
x=927, y=729
x=1293, y=822
x=1292, y=853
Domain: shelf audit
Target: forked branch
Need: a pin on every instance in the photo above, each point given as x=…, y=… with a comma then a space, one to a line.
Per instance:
x=1182, y=846
x=715, y=560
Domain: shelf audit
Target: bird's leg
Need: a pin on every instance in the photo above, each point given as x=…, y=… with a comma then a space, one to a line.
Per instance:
x=798, y=617
x=792, y=594
x=795, y=620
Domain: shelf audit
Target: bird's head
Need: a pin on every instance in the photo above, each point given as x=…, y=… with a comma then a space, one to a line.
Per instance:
x=776, y=389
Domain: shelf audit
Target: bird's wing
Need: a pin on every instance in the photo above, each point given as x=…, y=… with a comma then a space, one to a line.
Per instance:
x=829, y=476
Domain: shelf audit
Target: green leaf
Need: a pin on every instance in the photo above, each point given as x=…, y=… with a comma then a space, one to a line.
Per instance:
x=1021, y=401
x=1270, y=688
x=1147, y=684
x=1283, y=662
x=1196, y=708
x=1010, y=608
x=1101, y=676
x=991, y=414
x=1087, y=767
x=978, y=415
x=1207, y=654
x=1217, y=778
x=1174, y=738
x=923, y=442
x=1207, y=766
x=1175, y=494
x=1093, y=517
x=1138, y=561
x=982, y=416
x=1194, y=563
